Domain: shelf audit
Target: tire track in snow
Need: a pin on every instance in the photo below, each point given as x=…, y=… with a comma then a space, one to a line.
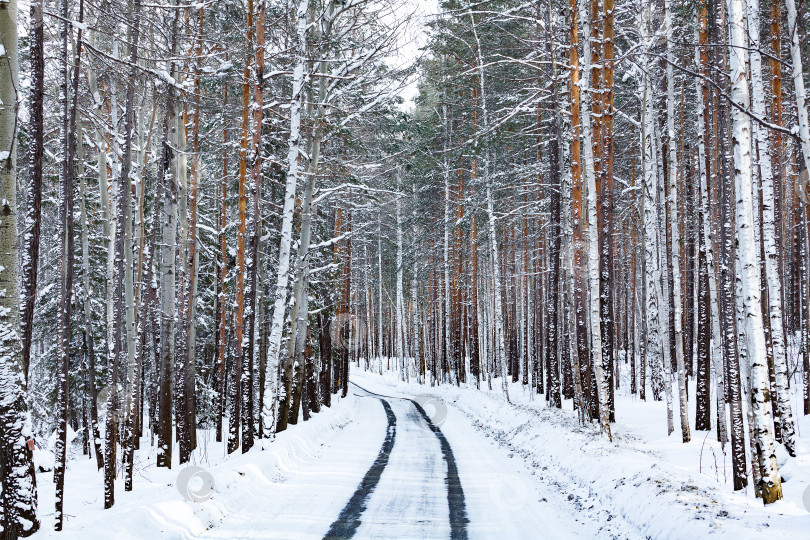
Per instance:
x=345, y=526
x=455, y=493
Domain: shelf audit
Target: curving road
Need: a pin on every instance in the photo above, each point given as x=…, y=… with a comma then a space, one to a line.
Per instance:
x=401, y=471
x=404, y=493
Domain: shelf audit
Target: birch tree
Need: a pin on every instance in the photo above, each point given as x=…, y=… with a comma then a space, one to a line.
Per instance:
x=770, y=484
x=293, y=171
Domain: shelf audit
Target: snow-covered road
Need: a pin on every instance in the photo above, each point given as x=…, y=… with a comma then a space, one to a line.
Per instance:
x=399, y=460
x=395, y=473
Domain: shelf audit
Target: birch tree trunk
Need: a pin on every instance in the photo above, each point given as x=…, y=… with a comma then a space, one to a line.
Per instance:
x=300, y=307
x=398, y=340
x=593, y=236
x=293, y=172
x=167, y=253
x=88, y=311
x=707, y=232
x=784, y=416
x=770, y=483
x=133, y=371
x=674, y=229
x=798, y=82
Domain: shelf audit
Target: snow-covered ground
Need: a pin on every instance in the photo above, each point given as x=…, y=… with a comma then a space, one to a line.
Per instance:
x=656, y=485
x=374, y=466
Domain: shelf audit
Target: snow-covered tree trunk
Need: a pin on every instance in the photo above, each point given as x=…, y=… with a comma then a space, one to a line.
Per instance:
x=602, y=382
x=255, y=164
x=88, y=309
x=380, y=300
x=674, y=227
x=19, y=494
x=30, y=257
x=222, y=313
x=240, y=374
x=770, y=483
x=784, y=415
x=664, y=294
x=293, y=172
x=493, y=239
x=446, y=251
x=652, y=270
x=133, y=372
x=553, y=306
x=398, y=339
x=299, y=310
x=63, y=298
x=168, y=183
x=706, y=229
x=192, y=252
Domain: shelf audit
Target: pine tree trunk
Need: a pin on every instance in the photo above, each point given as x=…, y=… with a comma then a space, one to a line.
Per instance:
x=63, y=302
x=30, y=258
x=552, y=320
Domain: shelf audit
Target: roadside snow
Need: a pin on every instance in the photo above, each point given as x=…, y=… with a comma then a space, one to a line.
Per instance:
x=155, y=508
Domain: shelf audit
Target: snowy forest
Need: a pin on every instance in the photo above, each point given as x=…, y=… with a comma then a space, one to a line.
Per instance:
x=542, y=263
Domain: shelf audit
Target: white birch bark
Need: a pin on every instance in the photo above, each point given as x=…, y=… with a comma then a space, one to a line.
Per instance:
x=380, y=296
x=674, y=229
x=770, y=485
x=111, y=188
x=773, y=277
x=293, y=172
x=398, y=340
x=708, y=240
x=663, y=265
x=798, y=82
x=593, y=236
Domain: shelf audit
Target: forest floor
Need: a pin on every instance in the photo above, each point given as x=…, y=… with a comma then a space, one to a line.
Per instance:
x=399, y=460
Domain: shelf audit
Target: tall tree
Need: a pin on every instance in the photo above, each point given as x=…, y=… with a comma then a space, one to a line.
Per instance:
x=19, y=495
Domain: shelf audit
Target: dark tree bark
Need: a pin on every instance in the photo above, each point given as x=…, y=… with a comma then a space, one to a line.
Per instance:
x=30, y=258
x=555, y=253
x=703, y=393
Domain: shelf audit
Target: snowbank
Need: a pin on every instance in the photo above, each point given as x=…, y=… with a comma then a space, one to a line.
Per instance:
x=162, y=503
